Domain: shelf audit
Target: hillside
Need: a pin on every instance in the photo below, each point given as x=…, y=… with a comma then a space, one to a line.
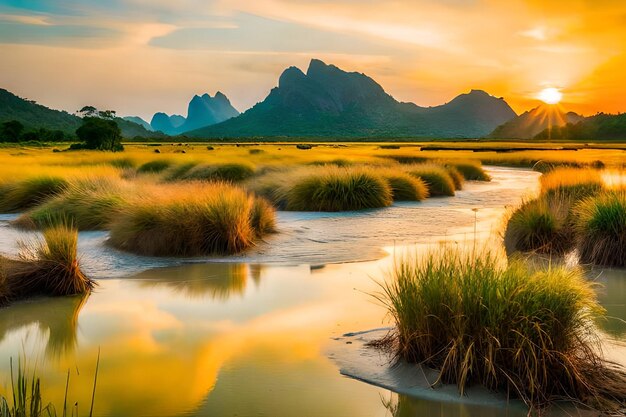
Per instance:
x=330, y=102
x=528, y=124
x=35, y=116
x=601, y=127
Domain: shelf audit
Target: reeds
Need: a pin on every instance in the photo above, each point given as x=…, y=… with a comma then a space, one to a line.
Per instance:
x=232, y=172
x=46, y=267
x=25, y=193
x=196, y=219
x=514, y=328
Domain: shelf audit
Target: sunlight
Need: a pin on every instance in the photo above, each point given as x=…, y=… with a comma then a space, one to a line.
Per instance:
x=550, y=95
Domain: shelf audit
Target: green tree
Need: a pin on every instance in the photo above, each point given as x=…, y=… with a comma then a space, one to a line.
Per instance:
x=101, y=134
x=11, y=131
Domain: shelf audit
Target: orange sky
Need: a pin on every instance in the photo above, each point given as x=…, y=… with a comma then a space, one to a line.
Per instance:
x=143, y=56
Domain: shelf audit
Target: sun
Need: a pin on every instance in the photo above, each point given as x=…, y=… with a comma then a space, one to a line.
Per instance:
x=550, y=95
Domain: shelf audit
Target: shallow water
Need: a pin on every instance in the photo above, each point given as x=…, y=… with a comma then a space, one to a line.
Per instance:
x=250, y=335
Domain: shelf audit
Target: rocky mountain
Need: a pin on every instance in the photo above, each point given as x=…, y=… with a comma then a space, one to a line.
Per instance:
x=35, y=116
x=330, y=102
x=528, y=124
x=202, y=111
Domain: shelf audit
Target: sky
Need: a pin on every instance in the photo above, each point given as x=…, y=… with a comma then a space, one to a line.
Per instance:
x=142, y=56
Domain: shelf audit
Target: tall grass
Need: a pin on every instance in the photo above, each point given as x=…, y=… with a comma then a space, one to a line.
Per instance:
x=601, y=228
x=577, y=183
x=339, y=189
x=46, y=267
x=154, y=167
x=438, y=180
x=192, y=219
x=513, y=328
x=405, y=187
x=223, y=172
x=471, y=170
x=88, y=203
x=541, y=225
x=456, y=176
x=25, y=193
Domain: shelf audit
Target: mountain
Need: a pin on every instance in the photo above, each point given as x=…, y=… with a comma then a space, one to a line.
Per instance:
x=330, y=102
x=202, y=111
x=138, y=120
x=34, y=116
x=528, y=124
x=599, y=127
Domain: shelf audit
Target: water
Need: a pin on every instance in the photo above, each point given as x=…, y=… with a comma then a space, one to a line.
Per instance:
x=250, y=335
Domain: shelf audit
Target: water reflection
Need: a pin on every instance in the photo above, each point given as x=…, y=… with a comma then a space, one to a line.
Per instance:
x=400, y=405
x=218, y=281
x=55, y=317
x=611, y=295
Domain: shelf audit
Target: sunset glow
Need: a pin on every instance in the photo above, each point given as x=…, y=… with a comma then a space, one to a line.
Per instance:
x=550, y=95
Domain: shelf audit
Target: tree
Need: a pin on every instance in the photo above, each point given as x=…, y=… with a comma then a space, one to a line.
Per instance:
x=11, y=131
x=88, y=111
x=101, y=134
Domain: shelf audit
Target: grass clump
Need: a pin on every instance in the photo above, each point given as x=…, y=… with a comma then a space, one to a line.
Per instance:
x=438, y=180
x=577, y=183
x=471, y=170
x=601, y=228
x=26, y=193
x=405, y=187
x=339, y=189
x=154, y=167
x=262, y=217
x=512, y=328
x=456, y=176
x=540, y=225
x=192, y=219
x=224, y=172
x=47, y=267
x=88, y=203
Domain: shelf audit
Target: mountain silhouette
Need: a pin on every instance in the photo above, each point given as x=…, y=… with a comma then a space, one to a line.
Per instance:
x=330, y=102
x=202, y=111
x=530, y=123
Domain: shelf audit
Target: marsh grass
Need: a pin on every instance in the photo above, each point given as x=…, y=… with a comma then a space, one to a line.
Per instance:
x=405, y=187
x=576, y=183
x=456, y=176
x=541, y=225
x=46, y=267
x=233, y=172
x=26, y=193
x=154, y=167
x=339, y=189
x=438, y=180
x=191, y=219
x=600, y=223
x=471, y=170
x=87, y=203
x=516, y=328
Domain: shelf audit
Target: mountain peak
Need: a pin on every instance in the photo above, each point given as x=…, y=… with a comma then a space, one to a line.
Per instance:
x=290, y=76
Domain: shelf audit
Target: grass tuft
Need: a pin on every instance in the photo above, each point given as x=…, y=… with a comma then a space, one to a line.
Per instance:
x=513, y=328
x=438, y=180
x=405, y=187
x=154, y=167
x=339, y=189
x=471, y=170
x=601, y=228
x=223, y=172
x=26, y=193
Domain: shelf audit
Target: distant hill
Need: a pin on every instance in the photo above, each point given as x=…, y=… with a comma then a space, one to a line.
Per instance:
x=138, y=120
x=330, y=102
x=528, y=124
x=202, y=111
x=604, y=127
x=34, y=116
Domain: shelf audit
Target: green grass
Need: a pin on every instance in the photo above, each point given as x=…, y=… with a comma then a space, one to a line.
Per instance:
x=405, y=187
x=339, y=189
x=23, y=194
x=262, y=217
x=514, y=328
x=575, y=183
x=600, y=223
x=223, y=172
x=541, y=225
x=438, y=180
x=199, y=219
x=89, y=204
x=48, y=267
x=154, y=167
